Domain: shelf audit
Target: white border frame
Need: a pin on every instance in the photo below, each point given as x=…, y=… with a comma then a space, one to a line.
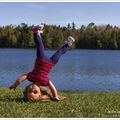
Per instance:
x=59, y=1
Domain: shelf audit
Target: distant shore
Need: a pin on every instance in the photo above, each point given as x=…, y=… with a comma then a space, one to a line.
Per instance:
x=91, y=36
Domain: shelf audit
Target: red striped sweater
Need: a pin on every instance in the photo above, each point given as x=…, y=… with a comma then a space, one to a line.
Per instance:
x=40, y=72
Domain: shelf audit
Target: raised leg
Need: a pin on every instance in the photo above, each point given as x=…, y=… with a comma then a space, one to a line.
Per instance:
x=68, y=43
x=55, y=58
x=39, y=45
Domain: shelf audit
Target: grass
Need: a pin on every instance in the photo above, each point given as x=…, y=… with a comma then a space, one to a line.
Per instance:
x=76, y=105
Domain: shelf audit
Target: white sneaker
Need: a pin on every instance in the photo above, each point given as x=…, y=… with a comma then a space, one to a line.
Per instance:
x=70, y=40
x=38, y=29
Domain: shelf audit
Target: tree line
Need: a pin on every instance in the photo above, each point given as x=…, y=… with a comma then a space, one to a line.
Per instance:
x=87, y=37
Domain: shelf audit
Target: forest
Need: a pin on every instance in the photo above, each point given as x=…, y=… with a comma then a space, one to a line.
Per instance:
x=87, y=37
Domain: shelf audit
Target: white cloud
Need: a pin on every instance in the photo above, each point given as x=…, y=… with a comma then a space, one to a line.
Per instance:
x=36, y=6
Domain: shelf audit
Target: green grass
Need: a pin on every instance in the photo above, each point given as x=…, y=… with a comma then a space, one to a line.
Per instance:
x=76, y=105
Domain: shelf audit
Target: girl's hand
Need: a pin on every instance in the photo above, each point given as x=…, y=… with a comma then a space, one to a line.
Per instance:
x=56, y=98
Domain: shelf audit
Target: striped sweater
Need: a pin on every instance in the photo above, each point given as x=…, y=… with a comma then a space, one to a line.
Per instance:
x=40, y=72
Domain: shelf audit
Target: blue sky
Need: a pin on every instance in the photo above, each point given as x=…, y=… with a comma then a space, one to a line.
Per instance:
x=60, y=13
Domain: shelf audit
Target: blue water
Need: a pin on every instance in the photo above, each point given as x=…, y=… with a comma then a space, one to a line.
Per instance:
x=77, y=70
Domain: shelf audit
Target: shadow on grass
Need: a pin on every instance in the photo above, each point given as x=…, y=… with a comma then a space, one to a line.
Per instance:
x=8, y=99
x=20, y=100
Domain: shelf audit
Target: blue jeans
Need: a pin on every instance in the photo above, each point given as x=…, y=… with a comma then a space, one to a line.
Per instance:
x=40, y=50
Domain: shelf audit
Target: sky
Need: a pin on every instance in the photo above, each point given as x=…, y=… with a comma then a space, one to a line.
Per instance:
x=60, y=13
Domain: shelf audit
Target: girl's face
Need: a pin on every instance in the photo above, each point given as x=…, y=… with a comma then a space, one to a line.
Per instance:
x=33, y=92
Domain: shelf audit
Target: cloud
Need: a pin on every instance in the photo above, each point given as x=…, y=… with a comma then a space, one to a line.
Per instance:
x=24, y=5
x=36, y=6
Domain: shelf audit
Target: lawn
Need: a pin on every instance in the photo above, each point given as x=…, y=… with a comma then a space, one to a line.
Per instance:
x=77, y=105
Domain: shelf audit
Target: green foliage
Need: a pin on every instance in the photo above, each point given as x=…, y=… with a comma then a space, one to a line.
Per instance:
x=76, y=105
x=87, y=37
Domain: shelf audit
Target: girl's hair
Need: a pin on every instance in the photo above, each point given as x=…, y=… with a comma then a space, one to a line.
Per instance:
x=25, y=94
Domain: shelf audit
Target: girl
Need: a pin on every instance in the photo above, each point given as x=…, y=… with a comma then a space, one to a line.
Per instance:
x=43, y=64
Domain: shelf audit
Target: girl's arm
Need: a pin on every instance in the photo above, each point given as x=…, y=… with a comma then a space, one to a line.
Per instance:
x=47, y=91
x=18, y=81
x=54, y=91
x=44, y=98
x=47, y=97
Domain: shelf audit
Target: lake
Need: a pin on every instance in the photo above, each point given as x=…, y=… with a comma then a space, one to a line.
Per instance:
x=77, y=70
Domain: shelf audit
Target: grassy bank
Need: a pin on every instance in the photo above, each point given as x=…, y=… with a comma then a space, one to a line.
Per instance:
x=76, y=105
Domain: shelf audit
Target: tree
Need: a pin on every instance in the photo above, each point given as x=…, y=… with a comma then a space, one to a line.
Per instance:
x=91, y=25
x=57, y=39
x=68, y=26
x=73, y=26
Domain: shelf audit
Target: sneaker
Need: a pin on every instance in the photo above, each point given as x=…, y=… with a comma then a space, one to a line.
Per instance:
x=38, y=29
x=70, y=40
